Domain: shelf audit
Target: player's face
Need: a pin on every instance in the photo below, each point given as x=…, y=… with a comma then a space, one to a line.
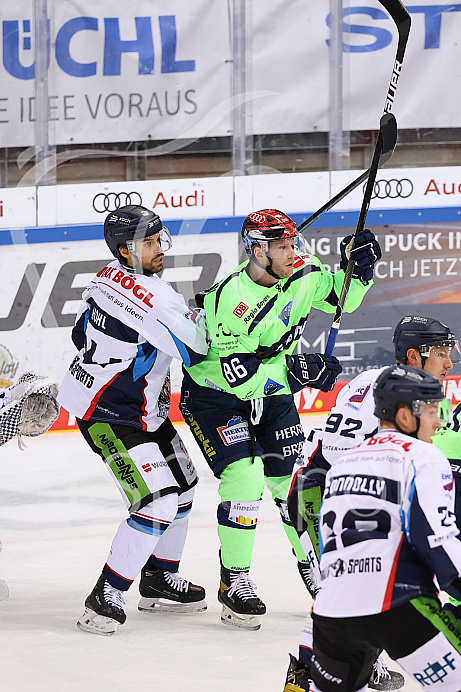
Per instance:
x=283, y=255
x=438, y=363
x=150, y=254
x=429, y=422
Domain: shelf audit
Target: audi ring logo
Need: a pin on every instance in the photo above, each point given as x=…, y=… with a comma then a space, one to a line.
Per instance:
x=392, y=189
x=113, y=200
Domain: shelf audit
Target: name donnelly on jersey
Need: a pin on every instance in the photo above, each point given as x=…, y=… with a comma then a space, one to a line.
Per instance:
x=80, y=374
x=127, y=281
x=364, y=485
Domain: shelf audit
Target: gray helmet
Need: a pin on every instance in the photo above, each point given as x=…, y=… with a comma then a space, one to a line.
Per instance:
x=127, y=224
x=422, y=333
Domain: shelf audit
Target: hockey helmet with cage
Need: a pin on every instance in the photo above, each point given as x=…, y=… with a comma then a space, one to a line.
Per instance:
x=260, y=227
x=422, y=333
x=125, y=225
x=403, y=385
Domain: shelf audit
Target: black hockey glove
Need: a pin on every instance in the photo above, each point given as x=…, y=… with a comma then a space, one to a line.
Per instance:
x=366, y=253
x=312, y=370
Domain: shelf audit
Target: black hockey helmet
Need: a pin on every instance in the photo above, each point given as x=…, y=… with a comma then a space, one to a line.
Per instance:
x=127, y=224
x=402, y=384
x=260, y=227
x=422, y=333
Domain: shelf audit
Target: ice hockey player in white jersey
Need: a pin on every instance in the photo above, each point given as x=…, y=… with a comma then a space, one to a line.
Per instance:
x=388, y=531
x=27, y=408
x=418, y=341
x=129, y=327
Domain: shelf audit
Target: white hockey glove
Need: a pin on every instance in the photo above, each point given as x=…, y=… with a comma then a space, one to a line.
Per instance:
x=28, y=408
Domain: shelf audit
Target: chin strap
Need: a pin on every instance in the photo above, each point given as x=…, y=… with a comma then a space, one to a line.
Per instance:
x=267, y=269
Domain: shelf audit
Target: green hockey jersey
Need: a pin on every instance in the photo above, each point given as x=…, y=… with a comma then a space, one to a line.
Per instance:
x=448, y=440
x=252, y=328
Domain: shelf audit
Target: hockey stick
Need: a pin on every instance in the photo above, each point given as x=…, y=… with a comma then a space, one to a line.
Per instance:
x=387, y=133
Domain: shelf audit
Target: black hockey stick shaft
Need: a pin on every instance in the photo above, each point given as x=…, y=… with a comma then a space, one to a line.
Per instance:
x=385, y=156
x=387, y=133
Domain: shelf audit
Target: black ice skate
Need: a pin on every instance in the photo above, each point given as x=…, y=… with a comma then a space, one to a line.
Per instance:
x=241, y=607
x=166, y=591
x=297, y=676
x=104, y=609
x=384, y=679
x=309, y=578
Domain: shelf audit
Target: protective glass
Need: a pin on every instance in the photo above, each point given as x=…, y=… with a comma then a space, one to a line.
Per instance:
x=440, y=408
x=445, y=349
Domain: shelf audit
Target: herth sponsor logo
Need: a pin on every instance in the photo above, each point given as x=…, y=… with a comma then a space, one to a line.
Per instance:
x=80, y=374
x=124, y=469
x=240, y=310
x=392, y=188
x=235, y=431
x=258, y=306
x=102, y=202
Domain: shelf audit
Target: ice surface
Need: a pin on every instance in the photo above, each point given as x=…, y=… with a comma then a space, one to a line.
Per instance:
x=59, y=510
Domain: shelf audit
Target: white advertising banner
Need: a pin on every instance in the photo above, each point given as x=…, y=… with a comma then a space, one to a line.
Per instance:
x=188, y=198
x=161, y=69
x=18, y=207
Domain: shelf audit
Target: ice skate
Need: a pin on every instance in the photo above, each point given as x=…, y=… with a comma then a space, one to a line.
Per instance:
x=103, y=609
x=297, y=676
x=166, y=591
x=309, y=578
x=241, y=607
x=384, y=679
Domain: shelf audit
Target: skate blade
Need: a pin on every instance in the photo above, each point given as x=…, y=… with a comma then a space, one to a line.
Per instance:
x=4, y=592
x=163, y=605
x=97, y=624
x=240, y=620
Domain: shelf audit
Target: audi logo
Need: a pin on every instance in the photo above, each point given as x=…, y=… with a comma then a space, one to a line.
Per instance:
x=392, y=189
x=113, y=200
x=257, y=218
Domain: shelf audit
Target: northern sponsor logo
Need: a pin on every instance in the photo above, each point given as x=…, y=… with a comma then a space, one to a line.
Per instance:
x=271, y=387
x=284, y=316
x=235, y=431
x=240, y=310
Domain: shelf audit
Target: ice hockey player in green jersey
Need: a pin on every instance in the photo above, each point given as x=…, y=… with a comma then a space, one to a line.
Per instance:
x=239, y=401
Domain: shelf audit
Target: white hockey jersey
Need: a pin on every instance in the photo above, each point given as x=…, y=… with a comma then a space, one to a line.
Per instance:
x=387, y=526
x=350, y=421
x=128, y=329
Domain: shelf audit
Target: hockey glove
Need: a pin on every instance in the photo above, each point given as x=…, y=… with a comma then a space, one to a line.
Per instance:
x=312, y=370
x=365, y=253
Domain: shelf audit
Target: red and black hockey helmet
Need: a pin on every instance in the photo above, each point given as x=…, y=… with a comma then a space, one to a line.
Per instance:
x=260, y=227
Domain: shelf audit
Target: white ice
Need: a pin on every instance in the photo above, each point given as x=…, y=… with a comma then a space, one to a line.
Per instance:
x=59, y=510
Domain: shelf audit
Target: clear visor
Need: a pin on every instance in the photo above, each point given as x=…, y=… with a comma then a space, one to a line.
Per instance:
x=445, y=350
x=164, y=237
x=299, y=244
x=441, y=409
